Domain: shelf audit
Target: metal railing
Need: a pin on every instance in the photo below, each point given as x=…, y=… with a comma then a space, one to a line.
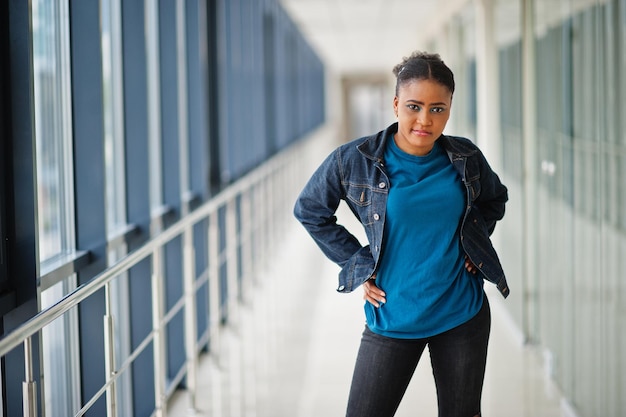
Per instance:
x=253, y=213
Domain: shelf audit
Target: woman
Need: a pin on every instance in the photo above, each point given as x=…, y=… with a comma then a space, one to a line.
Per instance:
x=428, y=203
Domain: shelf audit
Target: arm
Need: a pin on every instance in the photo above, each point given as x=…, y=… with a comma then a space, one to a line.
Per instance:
x=315, y=208
x=493, y=195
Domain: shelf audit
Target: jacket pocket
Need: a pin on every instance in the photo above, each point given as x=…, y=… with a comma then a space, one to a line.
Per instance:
x=359, y=198
x=360, y=195
x=474, y=187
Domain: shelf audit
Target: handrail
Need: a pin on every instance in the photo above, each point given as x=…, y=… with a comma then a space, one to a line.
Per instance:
x=263, y=186
x=17, y=336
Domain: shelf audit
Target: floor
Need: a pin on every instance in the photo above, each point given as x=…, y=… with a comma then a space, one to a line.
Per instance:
x=291, y=347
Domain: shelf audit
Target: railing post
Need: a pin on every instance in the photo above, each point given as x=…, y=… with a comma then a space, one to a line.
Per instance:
x=159, y=336
x=247, y=261
x=263, y=221
x=189, y=275
x=214, y=314
x=268, y=218
x=109, y=354
x=214, y=284
x=232, y=242
x=249, y=343
x=29, y=387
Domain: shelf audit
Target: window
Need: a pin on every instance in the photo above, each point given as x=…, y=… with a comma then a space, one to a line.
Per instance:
x=53, y=127
x=114, y=164
x=154, y=104
x=55, y=208
x=113, y=116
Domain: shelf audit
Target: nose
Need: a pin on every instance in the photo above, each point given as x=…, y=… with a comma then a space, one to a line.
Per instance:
x=423, y=118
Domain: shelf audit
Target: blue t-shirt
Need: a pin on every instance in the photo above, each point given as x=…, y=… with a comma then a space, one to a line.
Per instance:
x=428, y=289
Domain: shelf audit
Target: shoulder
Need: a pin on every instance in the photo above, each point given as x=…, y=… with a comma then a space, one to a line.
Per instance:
x=367, y=142
x=365, y=149
x=459, y=145
x=343, y=158
x=353, y=144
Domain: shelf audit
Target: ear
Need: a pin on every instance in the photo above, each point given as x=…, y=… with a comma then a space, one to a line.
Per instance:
x=395, y=105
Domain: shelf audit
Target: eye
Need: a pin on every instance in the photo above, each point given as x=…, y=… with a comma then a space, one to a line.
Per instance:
x=437, y=109
x=413, y=107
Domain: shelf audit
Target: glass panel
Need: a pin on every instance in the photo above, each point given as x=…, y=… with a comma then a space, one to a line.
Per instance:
x=113, y=115
x=620, y=260
x=580, y=67
x=3, y=262
x=553, y=215
x=53, y=131
x=113, y=106
x=587, y=318
x=611, y=110
x=621, y=70
x=121, y=327
x=61, y=356
x=508, y=38
x=1, y=389
x=111, y=40
x=154, y=104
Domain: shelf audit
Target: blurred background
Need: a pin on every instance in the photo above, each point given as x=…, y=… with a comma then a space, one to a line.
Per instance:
x=151, y=152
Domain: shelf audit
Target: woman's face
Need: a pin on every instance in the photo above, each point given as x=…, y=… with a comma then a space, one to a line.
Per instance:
x=423, y=109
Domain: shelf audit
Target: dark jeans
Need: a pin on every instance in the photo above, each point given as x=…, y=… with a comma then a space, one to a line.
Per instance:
x=384, y=367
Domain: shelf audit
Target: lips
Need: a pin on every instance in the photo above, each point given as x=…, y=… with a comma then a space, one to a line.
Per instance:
x=420, y=132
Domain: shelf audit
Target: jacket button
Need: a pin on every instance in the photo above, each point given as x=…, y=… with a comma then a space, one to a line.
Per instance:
x=376, y=216
x=341, y=288
x=382, y=185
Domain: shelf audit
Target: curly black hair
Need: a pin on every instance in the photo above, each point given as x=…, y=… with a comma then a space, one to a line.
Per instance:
x=423, y=66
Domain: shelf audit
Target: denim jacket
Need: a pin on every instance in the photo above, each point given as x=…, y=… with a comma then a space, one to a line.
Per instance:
x=355, y=173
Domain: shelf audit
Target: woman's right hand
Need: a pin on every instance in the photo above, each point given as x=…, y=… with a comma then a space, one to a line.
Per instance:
x=372, y=294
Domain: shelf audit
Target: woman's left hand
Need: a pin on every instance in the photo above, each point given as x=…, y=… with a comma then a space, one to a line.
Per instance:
x=471, y=268
x=372, y=294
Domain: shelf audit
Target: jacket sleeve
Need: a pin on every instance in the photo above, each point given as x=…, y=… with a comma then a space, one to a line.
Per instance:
x=315, y=208
x=493, y=195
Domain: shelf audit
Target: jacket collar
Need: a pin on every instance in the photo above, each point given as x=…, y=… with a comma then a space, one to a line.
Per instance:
x=373, y=147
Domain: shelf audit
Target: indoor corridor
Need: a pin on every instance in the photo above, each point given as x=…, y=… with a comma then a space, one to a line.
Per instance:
x=151, y=153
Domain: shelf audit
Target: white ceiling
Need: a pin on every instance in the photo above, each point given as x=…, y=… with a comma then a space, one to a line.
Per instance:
x=368, y=35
